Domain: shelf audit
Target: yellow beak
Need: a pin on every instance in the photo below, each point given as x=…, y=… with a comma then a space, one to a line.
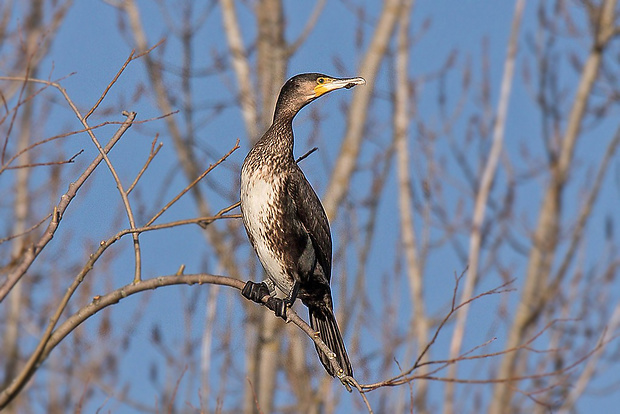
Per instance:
x=333, y=84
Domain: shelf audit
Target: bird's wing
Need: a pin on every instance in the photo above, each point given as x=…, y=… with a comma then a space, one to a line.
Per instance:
x=310, y=212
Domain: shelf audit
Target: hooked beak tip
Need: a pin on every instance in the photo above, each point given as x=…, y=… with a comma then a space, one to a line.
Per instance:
x=355, y=81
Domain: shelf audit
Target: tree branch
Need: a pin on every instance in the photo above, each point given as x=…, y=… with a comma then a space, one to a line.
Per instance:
x=33, y=251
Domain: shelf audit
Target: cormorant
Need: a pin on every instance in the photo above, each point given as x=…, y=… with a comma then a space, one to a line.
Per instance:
x=285, y=220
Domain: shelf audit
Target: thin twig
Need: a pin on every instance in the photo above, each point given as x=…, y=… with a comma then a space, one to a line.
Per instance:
x=39, y=355
x=46, y=164
x=400, y=379
x=176, y=390
x=12, y=123
x=483, y=194
x=6, y=165
x=192, y=184
x=28, y=257
x=306, y=155
x=12, y=236
x=107, y=89
x=122, y=192
x=101, y=302
x=33, y=251
x=310, y=24
x=119, y=185
x=453, y=309
x=204, y=222
x=152, y=154
x=130, y=58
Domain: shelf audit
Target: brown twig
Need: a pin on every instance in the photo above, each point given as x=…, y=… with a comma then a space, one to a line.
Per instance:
x=8, y=162
x=404, y=379
x=453, y=309
x=176, y=390
x=107, y=89
x=101, y=302
x=306, y=155
x=152, y=154
x=13, y=118
x=12, y=236
x=122, y=192
x=192, y=184
x=204, y=222
x=46, y=164
x=31, y=254
x=130, y=58
x=119, y=184
x=39, y=355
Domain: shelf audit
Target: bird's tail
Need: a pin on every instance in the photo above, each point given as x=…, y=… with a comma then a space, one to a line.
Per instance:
x=323, y=321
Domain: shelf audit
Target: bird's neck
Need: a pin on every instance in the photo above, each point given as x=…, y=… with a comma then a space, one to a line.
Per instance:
x=278, y=141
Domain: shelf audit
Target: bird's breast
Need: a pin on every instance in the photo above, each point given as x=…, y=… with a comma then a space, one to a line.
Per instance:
x=262, y=217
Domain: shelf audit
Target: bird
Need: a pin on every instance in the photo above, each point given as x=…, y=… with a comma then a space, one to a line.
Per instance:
x=286, y=222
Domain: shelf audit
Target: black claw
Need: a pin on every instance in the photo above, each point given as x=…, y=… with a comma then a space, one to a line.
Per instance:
x=255, y=291
x=278, y=306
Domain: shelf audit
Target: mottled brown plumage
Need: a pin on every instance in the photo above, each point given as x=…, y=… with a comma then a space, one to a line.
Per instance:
x=285, y=221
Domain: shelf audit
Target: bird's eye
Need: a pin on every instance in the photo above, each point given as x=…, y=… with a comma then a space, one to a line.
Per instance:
x=320, y=81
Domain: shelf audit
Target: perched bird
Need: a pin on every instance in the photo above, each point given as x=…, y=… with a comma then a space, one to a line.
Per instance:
x=285, y=220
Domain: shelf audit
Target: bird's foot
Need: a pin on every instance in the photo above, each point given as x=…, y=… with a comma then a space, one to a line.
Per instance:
x=255, y=291
x=279, y=306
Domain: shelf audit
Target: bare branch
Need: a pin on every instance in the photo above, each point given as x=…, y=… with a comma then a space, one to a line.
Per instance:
x=351, y=144
x=241, y=65
x=310, y=23
x=112, y=82
x=46, y=164
x=193, y=183
x=152, y=154
x=102, y=301
x=545, y=237
x=483, y=193
x=33, y=251
x=33, y=227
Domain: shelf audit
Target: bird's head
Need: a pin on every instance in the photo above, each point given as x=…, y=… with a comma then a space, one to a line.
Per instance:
x=302, y=89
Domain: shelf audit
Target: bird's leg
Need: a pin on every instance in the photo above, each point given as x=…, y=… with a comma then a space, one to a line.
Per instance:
x=293, y=294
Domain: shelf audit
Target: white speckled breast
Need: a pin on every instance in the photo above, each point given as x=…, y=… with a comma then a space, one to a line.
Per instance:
x=258, y=200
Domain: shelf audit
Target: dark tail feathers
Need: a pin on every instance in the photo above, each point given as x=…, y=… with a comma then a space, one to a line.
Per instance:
x=322, y=320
